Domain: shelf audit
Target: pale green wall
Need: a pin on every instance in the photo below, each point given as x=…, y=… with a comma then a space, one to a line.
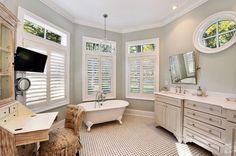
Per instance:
x=218, y=72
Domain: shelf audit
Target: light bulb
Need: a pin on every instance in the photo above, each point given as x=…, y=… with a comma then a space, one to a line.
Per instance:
x=174, y=7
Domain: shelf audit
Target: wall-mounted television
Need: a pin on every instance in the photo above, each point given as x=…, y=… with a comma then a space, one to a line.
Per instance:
x=28, y=60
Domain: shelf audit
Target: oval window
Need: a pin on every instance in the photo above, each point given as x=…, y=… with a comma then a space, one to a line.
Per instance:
x=216, y=33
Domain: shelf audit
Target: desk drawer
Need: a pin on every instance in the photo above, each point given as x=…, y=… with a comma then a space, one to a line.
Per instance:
x=203, y=107
x=4, y=112
x=207, y=118
x=9, y=117
x=206, y=129
x=169, y=100
x=203, y=141
x=13, y=108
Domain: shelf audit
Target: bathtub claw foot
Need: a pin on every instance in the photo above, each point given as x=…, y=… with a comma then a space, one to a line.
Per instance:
x=89, y=124
x=119, y=119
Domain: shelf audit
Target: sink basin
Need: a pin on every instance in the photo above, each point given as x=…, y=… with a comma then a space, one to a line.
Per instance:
x=173, y=93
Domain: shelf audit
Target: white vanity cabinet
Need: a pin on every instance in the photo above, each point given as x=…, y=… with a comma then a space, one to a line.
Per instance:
x=204, y=124
x=230, y=143
x=169, y=114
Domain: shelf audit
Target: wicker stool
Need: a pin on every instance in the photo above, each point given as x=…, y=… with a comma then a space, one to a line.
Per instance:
x=65, y=141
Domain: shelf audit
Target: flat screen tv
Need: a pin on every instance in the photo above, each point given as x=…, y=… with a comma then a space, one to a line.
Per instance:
x=28, y=60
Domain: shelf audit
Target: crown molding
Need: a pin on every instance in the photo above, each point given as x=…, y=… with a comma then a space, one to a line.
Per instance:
x=58, y=10
x=167, y=20
x=95, y=25
x=170, y=18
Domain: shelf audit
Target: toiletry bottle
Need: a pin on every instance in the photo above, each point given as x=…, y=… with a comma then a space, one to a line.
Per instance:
x=199, y=91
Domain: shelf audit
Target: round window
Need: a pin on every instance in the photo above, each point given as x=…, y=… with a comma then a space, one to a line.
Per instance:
x=216, y=33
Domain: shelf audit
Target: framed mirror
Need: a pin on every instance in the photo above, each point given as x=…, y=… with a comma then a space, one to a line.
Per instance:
x=183, y=68
x=22, y=84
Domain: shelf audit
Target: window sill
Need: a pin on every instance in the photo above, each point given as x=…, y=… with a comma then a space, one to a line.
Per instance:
x=141, y=98
x=92, y=99
x=48, y=107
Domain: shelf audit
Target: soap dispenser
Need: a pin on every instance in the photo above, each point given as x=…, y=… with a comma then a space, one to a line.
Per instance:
x=199, y=91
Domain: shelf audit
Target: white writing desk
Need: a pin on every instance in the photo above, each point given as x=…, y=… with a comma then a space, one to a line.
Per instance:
x=26, y=126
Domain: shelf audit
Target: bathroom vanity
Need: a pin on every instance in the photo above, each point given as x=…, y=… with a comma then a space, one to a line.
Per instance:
x=209, y=122
x=169, y=114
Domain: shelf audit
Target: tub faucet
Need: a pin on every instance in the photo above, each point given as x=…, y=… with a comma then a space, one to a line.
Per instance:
x=100, y=97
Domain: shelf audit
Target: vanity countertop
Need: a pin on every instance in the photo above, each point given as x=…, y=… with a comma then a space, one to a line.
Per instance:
x=213, y=100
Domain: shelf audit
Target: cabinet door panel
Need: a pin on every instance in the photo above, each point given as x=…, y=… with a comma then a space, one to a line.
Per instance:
x=160, y=111
x=230, y=145
x=172, y=118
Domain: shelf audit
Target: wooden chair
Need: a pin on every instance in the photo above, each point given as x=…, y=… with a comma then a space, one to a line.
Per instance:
x=65, y=141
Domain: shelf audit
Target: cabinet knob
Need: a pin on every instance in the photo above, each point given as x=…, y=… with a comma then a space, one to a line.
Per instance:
x=194, y=114
x=210, y=119
x=193, y=125
x=194, y=105
x=210, y=131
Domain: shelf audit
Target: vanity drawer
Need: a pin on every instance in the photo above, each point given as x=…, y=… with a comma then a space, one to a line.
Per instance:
x=203, y=141
x=169, y=100
x=205, y=129
x=203, y=107
x=231, y=115
x=207, y=118
x=4, y=112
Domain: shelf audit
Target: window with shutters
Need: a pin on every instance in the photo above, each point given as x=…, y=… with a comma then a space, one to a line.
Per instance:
x=51, y=88
x=142, y=69
x=99, y=64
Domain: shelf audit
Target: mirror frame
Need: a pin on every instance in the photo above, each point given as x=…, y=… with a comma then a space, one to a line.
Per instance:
x=196, y=69
x=18, y=81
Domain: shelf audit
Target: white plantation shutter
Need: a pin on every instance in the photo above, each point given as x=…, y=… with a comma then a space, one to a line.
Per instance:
x=38, y=90
x=106, y=74
x=141, y=75
x=134, y=75
x=99, y=74
x=57, y=76
x=148, y=76
x=93, y=70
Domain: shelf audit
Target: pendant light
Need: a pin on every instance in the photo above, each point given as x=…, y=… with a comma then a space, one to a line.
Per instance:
x=105, y=45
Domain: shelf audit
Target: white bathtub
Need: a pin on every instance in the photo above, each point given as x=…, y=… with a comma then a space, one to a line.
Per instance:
x=108, y=111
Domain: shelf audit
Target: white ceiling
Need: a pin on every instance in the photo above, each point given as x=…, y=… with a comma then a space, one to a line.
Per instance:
x=123, y=15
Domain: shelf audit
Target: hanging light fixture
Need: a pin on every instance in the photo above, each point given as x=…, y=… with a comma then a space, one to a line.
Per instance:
x=105, y=45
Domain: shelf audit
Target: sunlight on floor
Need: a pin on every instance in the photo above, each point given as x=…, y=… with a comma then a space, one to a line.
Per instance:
x=183, y=149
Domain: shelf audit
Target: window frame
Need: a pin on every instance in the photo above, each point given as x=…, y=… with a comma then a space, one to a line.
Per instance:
x=22, y=36
x=99, y=55
x=205, y=24
x=155, y=54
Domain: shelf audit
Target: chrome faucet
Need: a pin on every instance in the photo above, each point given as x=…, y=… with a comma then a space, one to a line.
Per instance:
x=100, y=97
x=178, y=90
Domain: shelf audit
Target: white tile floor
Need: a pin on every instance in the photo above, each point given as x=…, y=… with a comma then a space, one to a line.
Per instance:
x=136, y=137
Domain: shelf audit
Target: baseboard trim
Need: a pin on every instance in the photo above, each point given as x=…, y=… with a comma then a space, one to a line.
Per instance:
x=132, y=112
x=141, y=113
